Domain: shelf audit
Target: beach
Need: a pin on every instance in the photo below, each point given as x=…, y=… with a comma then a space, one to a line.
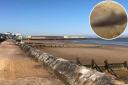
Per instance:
x=115, y=52
x=87, y=52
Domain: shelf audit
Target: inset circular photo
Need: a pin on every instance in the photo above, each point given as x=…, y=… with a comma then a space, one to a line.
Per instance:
x=108, y=20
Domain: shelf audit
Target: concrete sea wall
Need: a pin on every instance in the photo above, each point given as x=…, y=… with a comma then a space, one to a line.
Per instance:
x=68, y=72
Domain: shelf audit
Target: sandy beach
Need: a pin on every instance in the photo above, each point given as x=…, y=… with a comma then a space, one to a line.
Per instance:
x=87, y=52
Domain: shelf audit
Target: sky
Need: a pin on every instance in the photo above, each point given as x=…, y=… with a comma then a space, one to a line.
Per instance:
x=49, y=17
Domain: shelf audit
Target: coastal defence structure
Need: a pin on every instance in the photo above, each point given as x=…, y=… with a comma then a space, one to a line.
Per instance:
x=68, y=72
x=71, y=37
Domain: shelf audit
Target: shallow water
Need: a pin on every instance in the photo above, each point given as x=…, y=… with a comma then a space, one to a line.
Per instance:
x=119, y=41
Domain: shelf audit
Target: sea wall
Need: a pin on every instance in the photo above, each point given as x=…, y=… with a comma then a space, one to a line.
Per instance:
x=68, y=72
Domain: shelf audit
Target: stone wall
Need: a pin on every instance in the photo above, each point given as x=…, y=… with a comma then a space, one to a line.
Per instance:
x=68, y=72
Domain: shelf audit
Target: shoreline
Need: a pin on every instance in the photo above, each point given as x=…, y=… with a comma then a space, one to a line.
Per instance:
x=100, y=53
x=87, y=52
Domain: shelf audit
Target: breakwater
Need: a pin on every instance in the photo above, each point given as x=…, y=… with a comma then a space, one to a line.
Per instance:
x=68, y=72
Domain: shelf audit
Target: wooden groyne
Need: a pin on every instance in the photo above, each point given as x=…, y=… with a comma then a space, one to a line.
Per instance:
x=109, y=67
x=68, y=72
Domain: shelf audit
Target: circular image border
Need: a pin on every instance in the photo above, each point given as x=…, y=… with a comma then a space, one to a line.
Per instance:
x=120, y=33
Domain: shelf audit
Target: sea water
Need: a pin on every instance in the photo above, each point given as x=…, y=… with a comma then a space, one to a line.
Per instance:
x=119, y=41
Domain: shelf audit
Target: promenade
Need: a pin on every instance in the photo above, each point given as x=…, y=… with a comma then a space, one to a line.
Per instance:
x=18, y=69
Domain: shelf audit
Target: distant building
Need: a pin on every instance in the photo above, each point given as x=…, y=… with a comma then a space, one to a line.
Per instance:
x=74, y=36
x=53, y=37
x=46, y=37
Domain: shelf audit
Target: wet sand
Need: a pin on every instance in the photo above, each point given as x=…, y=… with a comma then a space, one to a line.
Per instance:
x=87, y=52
